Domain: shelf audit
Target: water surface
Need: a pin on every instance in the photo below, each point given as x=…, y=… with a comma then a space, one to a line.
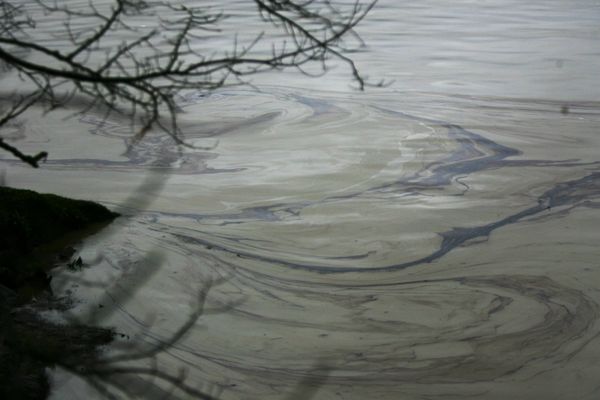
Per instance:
x=436, y=238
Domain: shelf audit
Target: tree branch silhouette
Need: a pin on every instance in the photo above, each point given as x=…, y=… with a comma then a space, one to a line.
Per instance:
x=141, y=76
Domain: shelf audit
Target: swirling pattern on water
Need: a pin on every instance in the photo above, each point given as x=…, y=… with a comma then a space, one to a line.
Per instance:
x=414, y=257
x=437, y=239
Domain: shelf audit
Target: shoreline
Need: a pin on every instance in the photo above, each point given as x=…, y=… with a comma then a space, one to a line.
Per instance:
x=37, y=233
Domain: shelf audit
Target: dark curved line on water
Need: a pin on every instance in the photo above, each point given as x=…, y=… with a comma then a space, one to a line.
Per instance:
x=475, y=153
x=562, y=194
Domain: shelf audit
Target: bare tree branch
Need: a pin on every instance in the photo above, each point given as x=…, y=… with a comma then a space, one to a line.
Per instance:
x=143, y=74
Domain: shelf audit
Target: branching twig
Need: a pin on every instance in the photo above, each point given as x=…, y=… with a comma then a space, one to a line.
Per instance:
x=142, y=76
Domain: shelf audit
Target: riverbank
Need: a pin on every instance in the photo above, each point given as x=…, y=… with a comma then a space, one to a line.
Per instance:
x=38, y=231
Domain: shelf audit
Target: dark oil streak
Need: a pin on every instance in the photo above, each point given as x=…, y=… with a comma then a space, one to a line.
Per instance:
x=575, y=192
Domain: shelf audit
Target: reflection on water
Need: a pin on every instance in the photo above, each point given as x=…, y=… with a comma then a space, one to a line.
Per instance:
x=434, y=239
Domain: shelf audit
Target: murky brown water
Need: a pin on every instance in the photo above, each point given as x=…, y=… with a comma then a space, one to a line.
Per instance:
x=437, y=238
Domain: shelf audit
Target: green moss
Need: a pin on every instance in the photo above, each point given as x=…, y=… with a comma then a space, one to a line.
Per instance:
x=33, y=226
x=34, y=229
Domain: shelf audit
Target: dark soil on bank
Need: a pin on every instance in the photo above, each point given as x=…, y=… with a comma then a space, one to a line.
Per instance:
x=37, y=231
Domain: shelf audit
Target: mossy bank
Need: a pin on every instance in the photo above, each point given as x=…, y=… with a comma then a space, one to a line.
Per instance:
x=35, y=228
x=36, y=232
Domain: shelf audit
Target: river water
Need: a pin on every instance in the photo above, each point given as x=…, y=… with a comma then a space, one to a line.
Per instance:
x=436, y=238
